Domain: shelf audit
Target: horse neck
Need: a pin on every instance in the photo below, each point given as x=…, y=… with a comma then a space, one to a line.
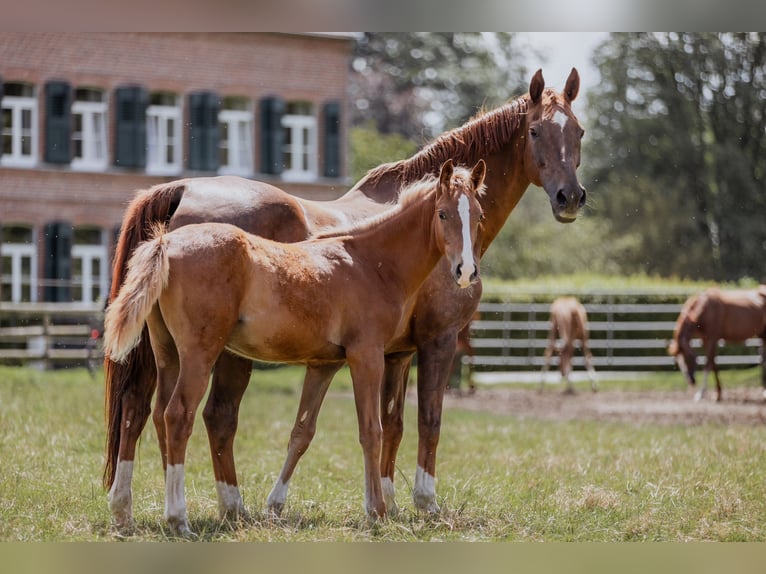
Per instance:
x=506, y=179
x=506, y=182
x=404, y=245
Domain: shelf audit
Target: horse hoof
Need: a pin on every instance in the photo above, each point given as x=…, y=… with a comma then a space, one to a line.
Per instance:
x=274, y=510
x=123, y=527
x=180, y=528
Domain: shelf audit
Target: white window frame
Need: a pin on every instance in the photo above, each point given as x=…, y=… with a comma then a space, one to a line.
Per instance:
x=17, y=105
x=299, y=145
x=157, y=118
x=87, y=254
x=93, y=136
x=17, y=252
x=239, y=142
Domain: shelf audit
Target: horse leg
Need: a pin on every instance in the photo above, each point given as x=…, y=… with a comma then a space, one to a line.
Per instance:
x=709, y=346
x=589, y=364
x=434, y=359
x=566, y=365
x=367, y=366
x=547, y=355
x=315, y=385
x=135, y=408
x=230, y=379
x=397, y=369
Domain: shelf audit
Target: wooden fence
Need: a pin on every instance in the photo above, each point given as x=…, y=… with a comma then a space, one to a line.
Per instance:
x=629, y=331
x=48, y=335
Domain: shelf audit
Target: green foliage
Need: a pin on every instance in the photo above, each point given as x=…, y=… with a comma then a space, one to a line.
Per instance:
x=676, y=149
x=369, y=148
x=500, y=478
x=419, y=84
x=532, y=244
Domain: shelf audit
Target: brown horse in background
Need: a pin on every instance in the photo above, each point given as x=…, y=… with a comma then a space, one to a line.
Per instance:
x=209, y=287
x=534, y=138
x=569, y=322
x=734, y=316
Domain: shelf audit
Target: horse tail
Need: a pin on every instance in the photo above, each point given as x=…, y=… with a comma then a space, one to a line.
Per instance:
x=147, y=277
x=136, y=374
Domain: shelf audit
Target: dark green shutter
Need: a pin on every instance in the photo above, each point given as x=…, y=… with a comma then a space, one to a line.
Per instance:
x=204, y=132
x=130, y=126
x=58, y=122
x=58, y=261
x=332, y=139
x=272, y=135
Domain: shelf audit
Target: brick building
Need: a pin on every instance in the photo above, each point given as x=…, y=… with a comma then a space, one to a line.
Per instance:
x=87, y=119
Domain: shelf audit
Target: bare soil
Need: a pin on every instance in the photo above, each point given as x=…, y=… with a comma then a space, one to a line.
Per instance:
x=744, y=405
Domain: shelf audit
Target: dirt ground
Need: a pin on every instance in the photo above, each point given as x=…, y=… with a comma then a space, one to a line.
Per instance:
x=739, y=405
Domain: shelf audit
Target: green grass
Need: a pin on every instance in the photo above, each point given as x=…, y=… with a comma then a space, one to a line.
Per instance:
x=499, y=478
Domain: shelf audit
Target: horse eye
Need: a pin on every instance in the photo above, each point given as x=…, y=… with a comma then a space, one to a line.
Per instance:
x=482, y=217
x=442, y=214
x=533, y=132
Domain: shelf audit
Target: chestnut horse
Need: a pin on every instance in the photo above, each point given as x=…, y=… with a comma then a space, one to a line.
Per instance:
x=209, y=287
x=534, y=138
x=734, y=316
x=569, y=322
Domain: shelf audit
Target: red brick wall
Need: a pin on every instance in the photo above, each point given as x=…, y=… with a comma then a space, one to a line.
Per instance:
x=254, y=65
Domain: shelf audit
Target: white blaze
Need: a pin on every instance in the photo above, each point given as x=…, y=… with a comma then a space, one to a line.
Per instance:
x=467, y=268
x=560, y=119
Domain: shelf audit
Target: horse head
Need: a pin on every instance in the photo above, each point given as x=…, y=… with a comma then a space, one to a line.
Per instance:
x=552, y=145
x=459, y=216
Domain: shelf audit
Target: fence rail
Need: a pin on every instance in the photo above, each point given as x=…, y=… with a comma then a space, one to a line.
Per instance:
x=628, y=331
x=49, y=334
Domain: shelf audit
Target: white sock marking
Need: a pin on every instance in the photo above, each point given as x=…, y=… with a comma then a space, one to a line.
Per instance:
x=120, y=496
x=424, y=491
x=175, y=503
x=278, y=495
x=229, y=499
x=467, y=269
x=388, y=492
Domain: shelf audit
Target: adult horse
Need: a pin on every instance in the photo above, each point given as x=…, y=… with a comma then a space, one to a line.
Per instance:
x=209, y=287
x=534, y=138
x=734, y=316
x=568, y=322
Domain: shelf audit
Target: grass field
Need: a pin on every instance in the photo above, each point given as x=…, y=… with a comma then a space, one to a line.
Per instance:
x=500, y=478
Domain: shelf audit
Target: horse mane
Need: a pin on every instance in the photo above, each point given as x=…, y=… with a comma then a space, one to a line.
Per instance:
x=409, y=195
x=484, y=134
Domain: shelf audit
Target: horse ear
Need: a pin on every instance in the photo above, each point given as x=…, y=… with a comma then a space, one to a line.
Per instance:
x=572, y=86
x=477, y=174
x=536, y=86
x=445, y=175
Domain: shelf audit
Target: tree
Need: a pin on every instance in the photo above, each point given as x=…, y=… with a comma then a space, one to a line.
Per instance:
x=420, y=84
x=677, y=150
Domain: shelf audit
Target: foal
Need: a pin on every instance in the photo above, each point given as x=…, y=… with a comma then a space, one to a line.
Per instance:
x=206, y=288
x=569, y=321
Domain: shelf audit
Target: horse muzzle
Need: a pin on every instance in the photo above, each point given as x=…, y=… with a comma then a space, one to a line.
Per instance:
x=567, y=202
x=466, y=275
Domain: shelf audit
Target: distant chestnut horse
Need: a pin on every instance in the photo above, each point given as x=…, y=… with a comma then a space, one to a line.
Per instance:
x=569, y=322
x=734, y=316
x=534, y=138
x=210, y=287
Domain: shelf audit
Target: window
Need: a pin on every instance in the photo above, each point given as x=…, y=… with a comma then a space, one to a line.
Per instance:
x=89, y=265
x=300, y=145
x=236, y=143
x=19, y=127
x=89, y=130
x=163, y=131
x=19, y=264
